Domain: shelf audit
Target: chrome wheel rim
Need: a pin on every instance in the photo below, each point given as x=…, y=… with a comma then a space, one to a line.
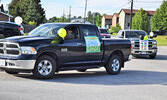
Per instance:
x=115, y=65
x=45, y=67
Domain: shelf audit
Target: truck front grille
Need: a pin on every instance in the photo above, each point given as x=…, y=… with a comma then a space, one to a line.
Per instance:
x=137, y=44
x=9, y=49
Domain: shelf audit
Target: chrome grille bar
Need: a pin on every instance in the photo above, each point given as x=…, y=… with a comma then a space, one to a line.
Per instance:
x=6, y=46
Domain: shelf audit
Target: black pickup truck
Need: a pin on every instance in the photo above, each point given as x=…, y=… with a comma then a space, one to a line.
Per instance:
x=8, y=29
x=45, y=51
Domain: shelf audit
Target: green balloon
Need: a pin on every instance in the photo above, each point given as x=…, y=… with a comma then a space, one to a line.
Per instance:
x=145, y=37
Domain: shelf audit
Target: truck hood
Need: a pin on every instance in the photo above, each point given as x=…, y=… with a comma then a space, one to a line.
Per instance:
x=29, y=40
x=137, y=39
x=25, y=38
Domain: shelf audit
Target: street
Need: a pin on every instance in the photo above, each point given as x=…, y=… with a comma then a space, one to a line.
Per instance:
x=141, y=79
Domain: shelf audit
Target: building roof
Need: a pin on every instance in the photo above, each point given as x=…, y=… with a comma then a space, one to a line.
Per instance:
x=6, y=14
x=127, y=11
x=3, y=12
x=108, y=16
x=116, y=14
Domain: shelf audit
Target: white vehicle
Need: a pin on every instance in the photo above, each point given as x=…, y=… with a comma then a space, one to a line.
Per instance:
x=139, y=45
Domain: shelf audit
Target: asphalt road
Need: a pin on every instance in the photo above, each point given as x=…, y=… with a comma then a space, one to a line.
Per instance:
x=141, y=79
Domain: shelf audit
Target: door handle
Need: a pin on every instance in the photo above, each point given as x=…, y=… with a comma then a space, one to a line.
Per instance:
x=79, y=44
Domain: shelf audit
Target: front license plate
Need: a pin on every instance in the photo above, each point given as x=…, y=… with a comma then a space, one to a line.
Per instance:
x=2, y=62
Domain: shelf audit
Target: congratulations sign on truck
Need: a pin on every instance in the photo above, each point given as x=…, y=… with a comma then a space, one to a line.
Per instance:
x=92, y=44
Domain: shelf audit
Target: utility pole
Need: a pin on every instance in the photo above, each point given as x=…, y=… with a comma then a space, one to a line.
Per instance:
x=85, y=11
x=63, y=15
x=70, y=14
x=131, y=13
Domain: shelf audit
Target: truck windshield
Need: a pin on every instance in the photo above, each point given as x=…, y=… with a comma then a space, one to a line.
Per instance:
x=104, y=31
x=135, y=34
x=46, y=30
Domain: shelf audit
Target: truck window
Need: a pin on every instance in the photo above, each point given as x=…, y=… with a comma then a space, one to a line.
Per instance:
x=72, y=33
x=88, y=31
x=135, y=34
x=120, y=34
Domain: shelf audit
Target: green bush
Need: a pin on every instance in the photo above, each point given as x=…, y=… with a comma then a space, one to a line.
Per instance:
x=32, y=23
x=115, y=29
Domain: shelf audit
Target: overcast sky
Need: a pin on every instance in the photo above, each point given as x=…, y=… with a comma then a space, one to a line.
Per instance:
x=56, y=7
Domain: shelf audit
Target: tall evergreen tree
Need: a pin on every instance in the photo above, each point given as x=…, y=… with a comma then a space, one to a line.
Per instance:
x=141, y=21
x=31, y=14
x=20, y=8
x=159, y=20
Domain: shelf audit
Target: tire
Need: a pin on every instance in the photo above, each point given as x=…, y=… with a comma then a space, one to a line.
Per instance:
x=152, y=56
x=8, y=33
x=114, y=65
x=11, y=72
x=45, y=67
x=82, y=70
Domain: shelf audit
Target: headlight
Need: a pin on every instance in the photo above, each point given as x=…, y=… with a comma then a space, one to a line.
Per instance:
x=28, y=50
x=154, y=43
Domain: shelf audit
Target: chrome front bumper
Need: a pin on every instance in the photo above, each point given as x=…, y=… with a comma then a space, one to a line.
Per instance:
x=136, y=51
x=17, y=64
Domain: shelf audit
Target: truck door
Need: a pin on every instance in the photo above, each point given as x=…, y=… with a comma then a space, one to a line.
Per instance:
x=72, y=49
x=89, y=56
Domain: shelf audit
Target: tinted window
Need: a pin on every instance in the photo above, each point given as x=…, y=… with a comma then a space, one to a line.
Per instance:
x=46, y=30
x=135, y=34
x=89, y=31
x=72, y=33
x=104, y=31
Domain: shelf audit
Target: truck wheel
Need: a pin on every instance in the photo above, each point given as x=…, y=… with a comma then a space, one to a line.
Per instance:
x=82, y=70
x=114, y=65
x=8, y=33
x=45, y=67
x=11, y=72
x=152, y=56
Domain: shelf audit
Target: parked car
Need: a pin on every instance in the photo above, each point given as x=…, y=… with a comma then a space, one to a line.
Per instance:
x=140, y=47
x=8, y=29
x=104, y=33
x=45, y=50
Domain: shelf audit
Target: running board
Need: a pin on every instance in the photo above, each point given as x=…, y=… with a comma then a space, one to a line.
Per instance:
x=78, y=68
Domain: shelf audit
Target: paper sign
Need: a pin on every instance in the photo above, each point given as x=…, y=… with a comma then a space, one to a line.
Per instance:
x=92, y=44
x=143, y=45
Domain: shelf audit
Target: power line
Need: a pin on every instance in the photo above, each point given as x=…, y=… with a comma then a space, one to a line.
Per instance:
x=148, y=1
x=119, y=7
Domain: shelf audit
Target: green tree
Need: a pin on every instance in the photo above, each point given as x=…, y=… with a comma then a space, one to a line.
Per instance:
x=98, y=20
x=90, y=17
x=21, y=7
x=31, y=14
x=53, y=19
x=141, y=21
x=79, y=17
x=159, y=20
x=115, y=29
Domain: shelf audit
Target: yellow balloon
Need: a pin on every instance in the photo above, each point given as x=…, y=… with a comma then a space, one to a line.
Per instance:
x=145, y=37
x=62, y=32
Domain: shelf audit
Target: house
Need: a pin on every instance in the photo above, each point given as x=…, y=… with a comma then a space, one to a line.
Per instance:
x=106, y=21
x=115, y=19
x=124, y=17
x=3, y=15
